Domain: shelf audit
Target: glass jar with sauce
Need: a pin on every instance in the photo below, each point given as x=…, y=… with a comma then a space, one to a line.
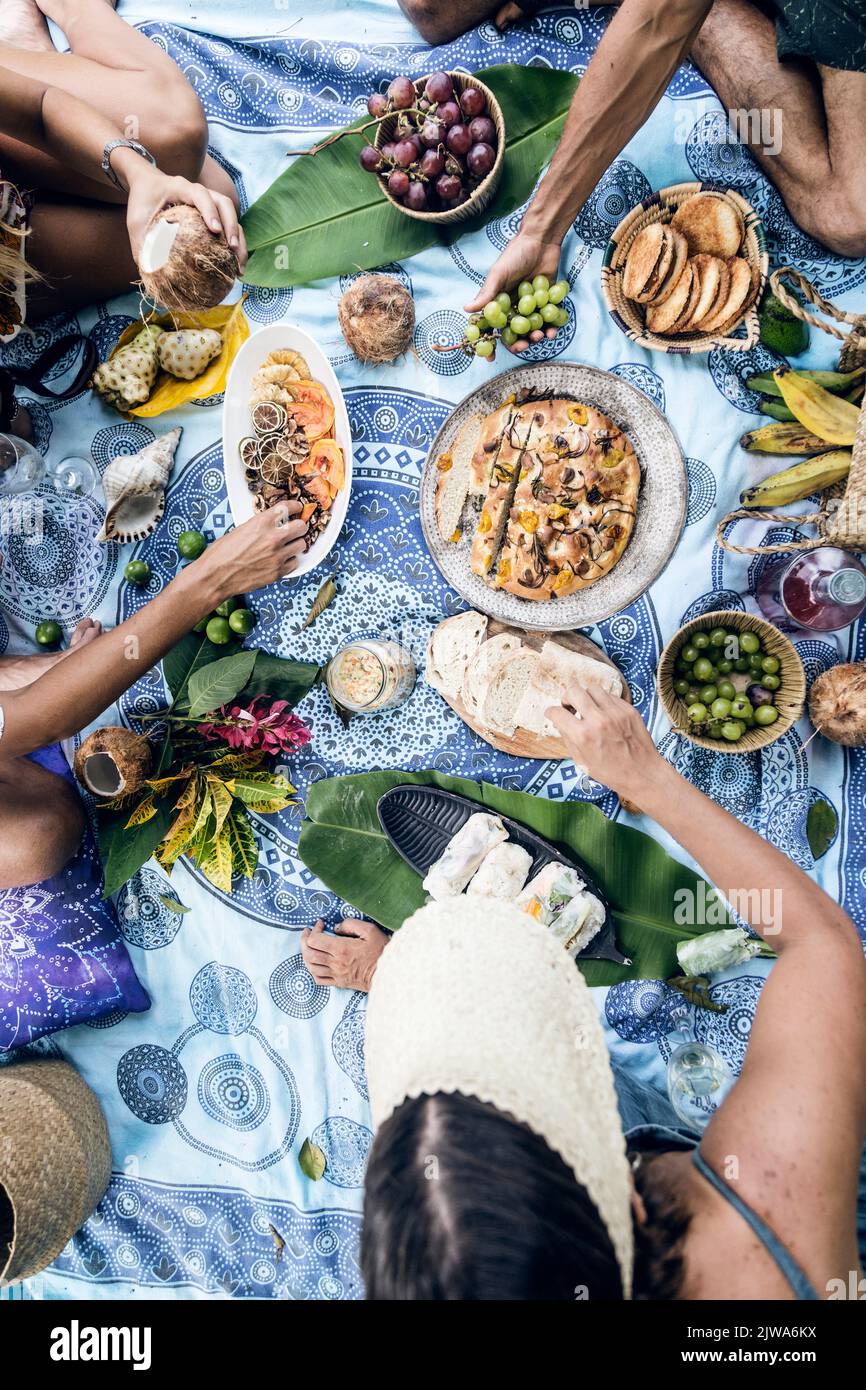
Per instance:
x=823, y=590
x=370, y=675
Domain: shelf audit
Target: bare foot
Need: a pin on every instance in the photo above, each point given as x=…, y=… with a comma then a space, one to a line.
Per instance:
x=23, y=26
x=16, y=672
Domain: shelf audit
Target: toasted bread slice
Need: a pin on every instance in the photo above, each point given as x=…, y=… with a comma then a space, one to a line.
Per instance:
x=642, y=260
x=660, y=318
x=452, y=484
x=679, y=257
x=731, y=311
x=665, y=261
x=730, y=324
x=709, y=269
x=724, y=286
x=682, y=324
x=711, y=224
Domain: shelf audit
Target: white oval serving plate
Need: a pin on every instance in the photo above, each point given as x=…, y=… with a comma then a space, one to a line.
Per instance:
x=236, y=424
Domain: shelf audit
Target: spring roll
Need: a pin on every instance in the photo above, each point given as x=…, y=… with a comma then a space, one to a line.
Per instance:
x=462, y=855
x=547, y=893
x=502, y=873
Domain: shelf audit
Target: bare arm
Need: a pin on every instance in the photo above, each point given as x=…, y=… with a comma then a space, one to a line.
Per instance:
x=86, y=682
x=639, y=52
x=795, y=1121
x=76, y=134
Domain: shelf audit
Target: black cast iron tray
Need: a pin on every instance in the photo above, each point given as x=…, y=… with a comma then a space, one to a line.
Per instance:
x=419, y=821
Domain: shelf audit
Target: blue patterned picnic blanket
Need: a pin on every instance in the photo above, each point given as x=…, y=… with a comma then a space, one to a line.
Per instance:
x=210, y=1095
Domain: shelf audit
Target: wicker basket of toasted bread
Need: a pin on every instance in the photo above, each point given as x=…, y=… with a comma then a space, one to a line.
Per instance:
x=686, y=268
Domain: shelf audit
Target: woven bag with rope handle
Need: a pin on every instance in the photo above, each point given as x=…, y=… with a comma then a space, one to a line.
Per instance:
x=841, y=519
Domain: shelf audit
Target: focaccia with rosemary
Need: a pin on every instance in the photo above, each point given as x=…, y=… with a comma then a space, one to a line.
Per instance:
x=574, y=506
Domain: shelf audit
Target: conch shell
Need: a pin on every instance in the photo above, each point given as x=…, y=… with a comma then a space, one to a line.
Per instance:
x=134, y=489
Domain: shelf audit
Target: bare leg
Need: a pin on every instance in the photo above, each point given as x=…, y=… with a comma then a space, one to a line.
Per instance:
x=18, y=671
x=90, y=242
x=819, y=117
x=41, y=821
x=120, y=72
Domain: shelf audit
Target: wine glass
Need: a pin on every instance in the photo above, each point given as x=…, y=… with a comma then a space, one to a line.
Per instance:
x=698, y=1080
x=22, y=467
x=74, y=478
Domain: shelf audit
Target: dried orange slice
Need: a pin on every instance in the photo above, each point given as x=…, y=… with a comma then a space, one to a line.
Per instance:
x=326, y=457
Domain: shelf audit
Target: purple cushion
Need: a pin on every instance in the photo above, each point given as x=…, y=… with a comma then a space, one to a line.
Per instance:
x=62, y=955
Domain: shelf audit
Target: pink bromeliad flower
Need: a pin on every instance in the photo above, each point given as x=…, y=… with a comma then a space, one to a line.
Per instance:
x=264, y=723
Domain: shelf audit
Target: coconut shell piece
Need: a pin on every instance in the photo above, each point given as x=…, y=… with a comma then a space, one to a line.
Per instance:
x=113, y=762
x=134, y=489
x=377, y=317
x=837, y=704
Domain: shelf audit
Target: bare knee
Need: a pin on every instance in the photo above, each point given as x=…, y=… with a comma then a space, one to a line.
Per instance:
x=176, y=134
x=435, y=20
x=41, y=843
x=836, y=216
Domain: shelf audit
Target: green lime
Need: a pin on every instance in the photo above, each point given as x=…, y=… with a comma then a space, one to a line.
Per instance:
x=191, y=544
x=242, y=621
x=218, y=631
x=781, y=330
x=227, y=607
x=137, y=572
x=48, y=633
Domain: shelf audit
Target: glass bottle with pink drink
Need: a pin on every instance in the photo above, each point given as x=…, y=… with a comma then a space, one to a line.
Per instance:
x=821, y=590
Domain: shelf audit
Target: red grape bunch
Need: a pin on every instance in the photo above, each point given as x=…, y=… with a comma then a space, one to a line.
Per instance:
x=443, y=144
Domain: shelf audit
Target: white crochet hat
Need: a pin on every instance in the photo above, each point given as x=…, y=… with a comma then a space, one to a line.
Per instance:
x=474, y=996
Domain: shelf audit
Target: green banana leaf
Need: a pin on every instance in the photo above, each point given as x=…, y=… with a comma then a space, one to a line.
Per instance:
x=344, y=845
x=325, y=215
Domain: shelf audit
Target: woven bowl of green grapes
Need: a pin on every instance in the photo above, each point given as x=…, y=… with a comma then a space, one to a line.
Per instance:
x=731, y=682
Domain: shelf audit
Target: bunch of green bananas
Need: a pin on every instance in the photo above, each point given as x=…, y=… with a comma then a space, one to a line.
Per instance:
x=817, y=409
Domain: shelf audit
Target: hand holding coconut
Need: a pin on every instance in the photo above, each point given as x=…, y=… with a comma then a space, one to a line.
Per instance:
x=186, y=240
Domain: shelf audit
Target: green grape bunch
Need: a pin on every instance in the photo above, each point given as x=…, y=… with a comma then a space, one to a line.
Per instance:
x=534, y=311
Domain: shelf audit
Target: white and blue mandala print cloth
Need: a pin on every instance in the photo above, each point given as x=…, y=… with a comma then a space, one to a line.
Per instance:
x=210, y=1095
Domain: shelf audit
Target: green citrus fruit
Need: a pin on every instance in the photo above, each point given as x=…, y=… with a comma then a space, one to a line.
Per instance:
x=218, y=631
x=227, y=606
x=242, y=621
x=781, y=330
x=48, y=633
x=191, y=544
x=137, y=572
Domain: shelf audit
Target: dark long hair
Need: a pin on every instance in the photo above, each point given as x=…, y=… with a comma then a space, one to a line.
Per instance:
x=462, y=1202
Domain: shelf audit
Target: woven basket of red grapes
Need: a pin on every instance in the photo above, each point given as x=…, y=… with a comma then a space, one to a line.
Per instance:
x=439, y=145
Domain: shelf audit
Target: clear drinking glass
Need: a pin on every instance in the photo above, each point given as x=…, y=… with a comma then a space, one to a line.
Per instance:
x=698, y=1080
x=74, y=477
x=22, y=467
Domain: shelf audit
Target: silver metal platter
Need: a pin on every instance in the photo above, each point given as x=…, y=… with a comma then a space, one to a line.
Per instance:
x=661, y=506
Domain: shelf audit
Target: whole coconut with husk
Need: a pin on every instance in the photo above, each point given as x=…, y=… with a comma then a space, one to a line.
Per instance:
x=837, y=704
x=184, y=266
x=113, y=762
x=377, y=316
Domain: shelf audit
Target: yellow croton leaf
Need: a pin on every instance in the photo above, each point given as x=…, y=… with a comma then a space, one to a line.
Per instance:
x=237, y=762
x=222, y=800
x=168, y=392
x=144, y=811
x=245, y=851
x=264, y=792
x=216, y=861
x=178, y=836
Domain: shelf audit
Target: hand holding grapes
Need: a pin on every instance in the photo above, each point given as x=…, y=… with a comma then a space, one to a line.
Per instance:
x=523, y=258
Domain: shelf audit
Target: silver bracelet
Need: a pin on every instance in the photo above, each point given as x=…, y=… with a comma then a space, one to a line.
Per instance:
x=129, y=145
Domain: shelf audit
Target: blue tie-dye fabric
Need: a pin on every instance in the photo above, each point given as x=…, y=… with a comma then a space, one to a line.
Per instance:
x=242, y=1057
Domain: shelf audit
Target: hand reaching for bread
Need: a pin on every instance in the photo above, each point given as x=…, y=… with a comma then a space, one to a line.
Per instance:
x=606, y=736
